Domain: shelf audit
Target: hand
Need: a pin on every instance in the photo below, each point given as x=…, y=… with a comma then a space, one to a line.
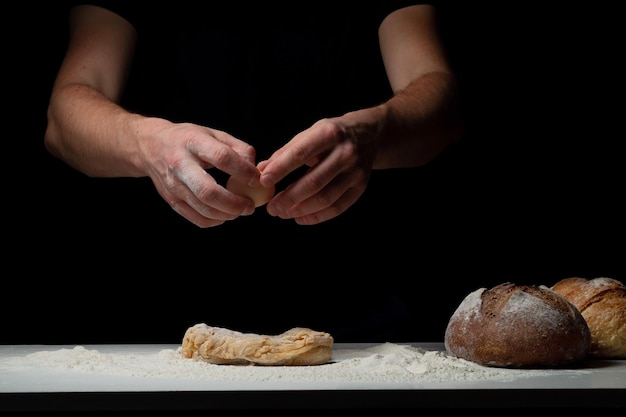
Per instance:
x=178, y=161
x=339, y=153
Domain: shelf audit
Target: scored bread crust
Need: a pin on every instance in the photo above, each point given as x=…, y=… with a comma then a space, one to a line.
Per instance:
x=602, y=303
x=517, y=326
x=297, y=346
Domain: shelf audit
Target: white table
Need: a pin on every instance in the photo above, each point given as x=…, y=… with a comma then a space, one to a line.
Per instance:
x=600, y=383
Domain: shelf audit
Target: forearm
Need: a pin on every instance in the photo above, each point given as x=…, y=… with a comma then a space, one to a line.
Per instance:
x=418, y=122
x=93, y=134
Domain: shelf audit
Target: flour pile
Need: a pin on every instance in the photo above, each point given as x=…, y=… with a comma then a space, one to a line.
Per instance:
x=387, y=362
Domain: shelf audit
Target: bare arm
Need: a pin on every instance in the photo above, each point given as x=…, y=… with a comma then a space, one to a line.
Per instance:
x=421, y=119
x=89, y=130
x=409, y=130
x=86, y=127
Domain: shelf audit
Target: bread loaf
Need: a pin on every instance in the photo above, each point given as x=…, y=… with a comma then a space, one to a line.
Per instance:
x=602, y=303
x=517, y=326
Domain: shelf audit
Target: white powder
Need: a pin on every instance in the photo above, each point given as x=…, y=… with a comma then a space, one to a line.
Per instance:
x=387, y=362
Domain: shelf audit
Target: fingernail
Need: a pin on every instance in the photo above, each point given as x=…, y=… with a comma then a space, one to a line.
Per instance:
x=277, y=209
x=267, y=180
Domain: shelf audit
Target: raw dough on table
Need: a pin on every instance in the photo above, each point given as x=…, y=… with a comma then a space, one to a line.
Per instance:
x=298, y=346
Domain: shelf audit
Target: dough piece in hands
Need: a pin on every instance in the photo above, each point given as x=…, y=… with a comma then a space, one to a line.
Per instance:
x=602, y=303
x=298, y=346
x=517, y=326
x=259, y=195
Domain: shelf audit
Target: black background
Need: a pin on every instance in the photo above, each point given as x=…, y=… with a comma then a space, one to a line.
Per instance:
x=532, y=195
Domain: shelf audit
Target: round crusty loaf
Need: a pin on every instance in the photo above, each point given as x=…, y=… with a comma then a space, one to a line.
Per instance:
x=517, y=326
x=602, y=303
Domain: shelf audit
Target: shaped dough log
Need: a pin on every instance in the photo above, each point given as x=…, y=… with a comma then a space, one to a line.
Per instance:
x=298, y=346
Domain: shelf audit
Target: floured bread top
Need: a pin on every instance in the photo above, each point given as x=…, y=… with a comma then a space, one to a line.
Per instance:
x=517, y=326
x=583, y=292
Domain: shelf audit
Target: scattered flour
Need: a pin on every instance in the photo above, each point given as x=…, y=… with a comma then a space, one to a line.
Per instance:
x=387, y=362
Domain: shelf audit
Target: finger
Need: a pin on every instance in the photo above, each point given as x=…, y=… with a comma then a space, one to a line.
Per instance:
x=183, y=201
x=242, y=148
x=303, y=149
x=338, y=207
x=194, y=216
x=206, y=196
x=201, y=214
x=310, y=184
x=227, y=154
x=180, y=206
x=326, y=197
